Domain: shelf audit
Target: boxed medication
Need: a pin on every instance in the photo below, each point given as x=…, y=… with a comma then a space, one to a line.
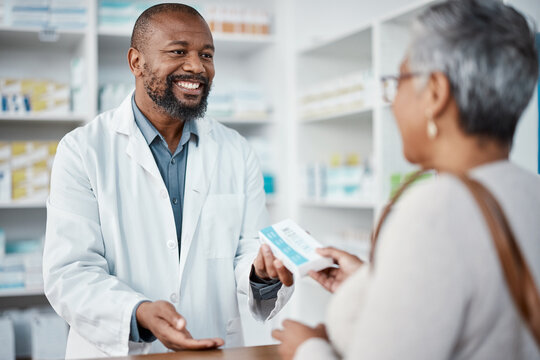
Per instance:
x=5, y=172
x=294, y=247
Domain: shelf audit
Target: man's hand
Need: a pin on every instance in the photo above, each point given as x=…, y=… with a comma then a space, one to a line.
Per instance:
x=161, y=318
x=332, y=278
x=267, y=267
x=294, y=334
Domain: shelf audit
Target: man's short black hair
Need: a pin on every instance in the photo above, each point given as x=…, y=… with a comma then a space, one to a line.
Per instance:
x=143, y=29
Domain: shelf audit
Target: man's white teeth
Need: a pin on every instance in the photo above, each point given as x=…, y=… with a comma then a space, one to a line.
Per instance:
x=188, y=85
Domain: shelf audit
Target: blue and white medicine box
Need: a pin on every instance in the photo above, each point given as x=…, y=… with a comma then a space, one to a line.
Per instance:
x=294, y=247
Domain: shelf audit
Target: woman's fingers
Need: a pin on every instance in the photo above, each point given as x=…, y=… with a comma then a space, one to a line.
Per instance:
x=278, y=334
x=333, y=253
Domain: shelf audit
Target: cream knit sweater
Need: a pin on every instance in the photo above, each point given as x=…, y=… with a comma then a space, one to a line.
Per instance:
x=437, y=289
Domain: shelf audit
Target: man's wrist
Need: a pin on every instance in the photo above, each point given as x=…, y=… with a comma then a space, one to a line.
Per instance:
x=260, y=280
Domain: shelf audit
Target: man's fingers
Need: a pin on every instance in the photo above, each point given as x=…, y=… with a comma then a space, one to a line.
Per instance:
x=269, y=261
x=193, y=344
x=179, y=340
x=258, y=264
x=168, y=313
x=285, y=276
x=218, y=341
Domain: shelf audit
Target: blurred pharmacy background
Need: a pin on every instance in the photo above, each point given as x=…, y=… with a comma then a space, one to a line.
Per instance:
x=298, y=78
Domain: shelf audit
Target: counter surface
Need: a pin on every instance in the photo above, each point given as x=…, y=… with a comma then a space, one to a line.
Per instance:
x=267, y=352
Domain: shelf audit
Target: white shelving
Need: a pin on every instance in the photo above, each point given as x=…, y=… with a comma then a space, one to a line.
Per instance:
x=341, y=204
x=364, y=113
x=30, y=37
x=22, y=205
x=43, y=119
x=18, y=292
x=368, y=131
x=340, y=45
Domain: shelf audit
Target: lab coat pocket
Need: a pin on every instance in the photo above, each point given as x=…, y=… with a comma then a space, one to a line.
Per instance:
x=221, y=224
x=234, y=333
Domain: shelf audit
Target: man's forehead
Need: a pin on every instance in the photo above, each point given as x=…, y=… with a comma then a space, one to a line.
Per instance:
x=180, y=22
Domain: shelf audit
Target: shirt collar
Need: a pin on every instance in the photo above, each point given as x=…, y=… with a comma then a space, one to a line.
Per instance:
x=150, y=132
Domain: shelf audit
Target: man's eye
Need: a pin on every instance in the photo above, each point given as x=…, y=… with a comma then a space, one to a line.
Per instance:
x=207, y=56
x=178, y=52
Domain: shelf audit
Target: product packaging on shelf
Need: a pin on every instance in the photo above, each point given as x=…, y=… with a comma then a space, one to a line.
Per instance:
x=25, y=168
x=34, y=96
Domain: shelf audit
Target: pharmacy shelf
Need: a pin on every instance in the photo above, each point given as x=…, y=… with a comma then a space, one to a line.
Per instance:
x=31, y=38
x=237, y=44
x=21, y=292
x=363, y=114
x=354, y=45
x=23, y=205
x=40, y=119
x=257, y=121
x=342, y=204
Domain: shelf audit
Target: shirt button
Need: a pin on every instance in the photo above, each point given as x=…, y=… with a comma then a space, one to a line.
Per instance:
x=173, y=161
x=163, y=194
x=174, y=298
x=175, y=201
x=171, y=244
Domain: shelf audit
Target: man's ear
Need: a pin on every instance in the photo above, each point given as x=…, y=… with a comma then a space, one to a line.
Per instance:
x=439, y=93
x=135, y=61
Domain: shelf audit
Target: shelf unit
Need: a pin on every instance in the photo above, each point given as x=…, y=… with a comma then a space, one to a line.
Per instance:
x=22, y=205
x=44, y=119
x=18, y=292
x=339, y=204
x=364, y=113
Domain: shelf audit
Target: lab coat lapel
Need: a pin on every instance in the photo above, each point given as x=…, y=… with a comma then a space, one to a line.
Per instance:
x=137, y=148
x=201, y=164
x=140, y=152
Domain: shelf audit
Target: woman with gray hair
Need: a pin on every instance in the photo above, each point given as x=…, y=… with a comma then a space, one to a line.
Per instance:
x=438, y=286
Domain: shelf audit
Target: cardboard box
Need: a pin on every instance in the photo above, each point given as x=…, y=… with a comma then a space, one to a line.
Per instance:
x=294, y=247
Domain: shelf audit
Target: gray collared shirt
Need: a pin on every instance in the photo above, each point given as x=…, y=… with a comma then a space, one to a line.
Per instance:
x=171, y=166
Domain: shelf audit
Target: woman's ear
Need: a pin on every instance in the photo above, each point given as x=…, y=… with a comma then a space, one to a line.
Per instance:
x=135, y=61
x=439, y=92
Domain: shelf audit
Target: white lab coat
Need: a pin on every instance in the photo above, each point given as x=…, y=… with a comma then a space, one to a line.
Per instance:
x=111, y=238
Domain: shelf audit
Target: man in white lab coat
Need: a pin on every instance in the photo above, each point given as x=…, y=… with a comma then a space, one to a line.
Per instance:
x=154, y=210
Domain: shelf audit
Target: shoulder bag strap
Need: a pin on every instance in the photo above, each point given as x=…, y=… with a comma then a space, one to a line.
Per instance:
x=516, y=271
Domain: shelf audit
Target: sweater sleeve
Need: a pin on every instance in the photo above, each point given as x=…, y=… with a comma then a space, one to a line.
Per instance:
x=315, y=349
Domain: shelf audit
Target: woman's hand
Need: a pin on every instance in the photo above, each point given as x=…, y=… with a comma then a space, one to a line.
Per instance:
x=331, y=278
x=294, y=334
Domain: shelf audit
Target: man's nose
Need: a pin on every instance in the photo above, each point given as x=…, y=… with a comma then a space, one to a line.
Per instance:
x=193, y=63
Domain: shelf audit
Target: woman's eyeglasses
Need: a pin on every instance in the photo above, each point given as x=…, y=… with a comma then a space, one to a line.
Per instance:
x=390, y=85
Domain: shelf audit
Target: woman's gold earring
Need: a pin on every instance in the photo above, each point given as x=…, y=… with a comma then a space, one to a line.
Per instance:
x=432, y=130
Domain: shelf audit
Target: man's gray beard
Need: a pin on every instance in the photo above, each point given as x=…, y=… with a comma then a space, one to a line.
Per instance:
x=167, y=101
